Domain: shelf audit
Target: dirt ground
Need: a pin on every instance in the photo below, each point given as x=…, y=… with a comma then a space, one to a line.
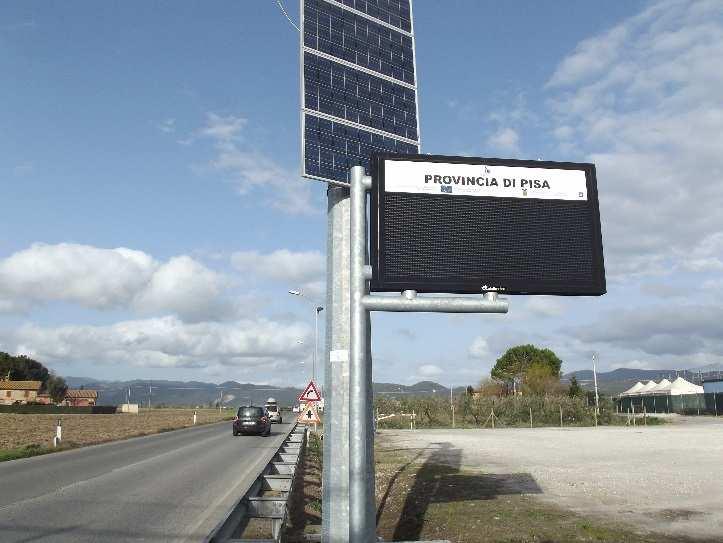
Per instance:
x=18, y=431
x=655, y=480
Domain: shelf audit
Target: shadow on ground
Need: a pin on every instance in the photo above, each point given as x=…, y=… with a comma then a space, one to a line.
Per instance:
x=440, y=480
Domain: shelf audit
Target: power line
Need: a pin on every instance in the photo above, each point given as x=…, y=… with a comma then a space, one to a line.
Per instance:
x=283, y=10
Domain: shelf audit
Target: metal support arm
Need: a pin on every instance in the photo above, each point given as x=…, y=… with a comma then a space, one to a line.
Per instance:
x=453, y=304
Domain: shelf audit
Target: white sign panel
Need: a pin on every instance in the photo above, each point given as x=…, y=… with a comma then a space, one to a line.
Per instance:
x=452, y=179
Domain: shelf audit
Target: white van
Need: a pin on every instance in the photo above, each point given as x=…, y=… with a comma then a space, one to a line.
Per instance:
x=274, y=412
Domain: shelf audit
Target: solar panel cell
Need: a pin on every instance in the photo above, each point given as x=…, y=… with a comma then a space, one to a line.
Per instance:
x=341, y=91
x=331, y=148
x=345, y=35
x=343, y=50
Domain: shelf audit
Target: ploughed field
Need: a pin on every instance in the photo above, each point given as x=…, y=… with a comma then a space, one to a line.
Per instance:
x=23, y=431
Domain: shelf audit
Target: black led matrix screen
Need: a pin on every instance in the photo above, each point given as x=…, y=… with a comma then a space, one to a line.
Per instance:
x=471, y=225
x=358, y=84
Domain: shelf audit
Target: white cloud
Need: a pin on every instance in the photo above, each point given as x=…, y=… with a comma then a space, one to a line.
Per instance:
x=479, y=348
x=167, y=126
x=302, y=270
x=430, y=370
x=167, y=342
x=185, y=287
x=505, y=139
x=251, y=170
x=104, y=279
x=223, y=128
x=675, y=330
x=644, y=99
x=293, y=267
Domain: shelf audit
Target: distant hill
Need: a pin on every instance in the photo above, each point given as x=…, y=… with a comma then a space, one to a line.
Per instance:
x=618, y=380
x=196, y=393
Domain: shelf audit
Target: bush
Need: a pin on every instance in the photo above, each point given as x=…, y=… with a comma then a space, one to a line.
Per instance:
x=510, y=411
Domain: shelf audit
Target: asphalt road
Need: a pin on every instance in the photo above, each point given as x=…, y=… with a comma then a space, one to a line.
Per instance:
x=174, y=487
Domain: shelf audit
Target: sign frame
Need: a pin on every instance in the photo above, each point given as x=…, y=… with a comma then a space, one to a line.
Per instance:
x=465, y=286
x=310, y=408
x=311, y=387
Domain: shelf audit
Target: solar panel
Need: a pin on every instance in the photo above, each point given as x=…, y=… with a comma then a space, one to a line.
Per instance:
x=359, y=93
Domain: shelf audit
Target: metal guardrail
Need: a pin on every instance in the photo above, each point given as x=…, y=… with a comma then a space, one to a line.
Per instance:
x=277, y=478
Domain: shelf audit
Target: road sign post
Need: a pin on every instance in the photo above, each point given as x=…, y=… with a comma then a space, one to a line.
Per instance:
x=362, y=518
x=310, y=394
x=355, y=100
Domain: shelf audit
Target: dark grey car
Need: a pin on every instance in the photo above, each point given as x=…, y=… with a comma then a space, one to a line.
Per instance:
x=252, y=420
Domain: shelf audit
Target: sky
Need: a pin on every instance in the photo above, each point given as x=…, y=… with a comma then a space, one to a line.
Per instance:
x=153, y=218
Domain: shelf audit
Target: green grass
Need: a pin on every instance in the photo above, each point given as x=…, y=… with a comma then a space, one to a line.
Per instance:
x=29, y=450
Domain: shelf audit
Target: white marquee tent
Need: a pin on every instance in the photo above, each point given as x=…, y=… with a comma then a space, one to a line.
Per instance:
x=663, y=387
x=680, y=386
x=647, y=387
x=633, y=390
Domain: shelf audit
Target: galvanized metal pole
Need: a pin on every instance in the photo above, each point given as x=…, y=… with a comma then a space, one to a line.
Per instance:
x=360, y=437
x=594, y=376
x=335, y=476
x=362, y=520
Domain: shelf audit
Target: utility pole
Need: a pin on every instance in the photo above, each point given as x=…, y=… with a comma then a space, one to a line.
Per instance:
x=594, y=376
x=451, y=402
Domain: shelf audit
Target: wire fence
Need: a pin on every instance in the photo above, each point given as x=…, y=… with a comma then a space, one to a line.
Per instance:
x=683, y=404
x=467, y=411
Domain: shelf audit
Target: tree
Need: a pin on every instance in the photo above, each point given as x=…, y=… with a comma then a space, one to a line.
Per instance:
x=55, y=386
x=470, y=390
x=24, y=368
x=575, y=389
x=490, y=388
x=541, y=380
x=518, y=360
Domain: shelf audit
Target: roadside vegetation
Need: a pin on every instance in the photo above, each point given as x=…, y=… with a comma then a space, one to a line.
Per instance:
x=523, y=390
x=305, y=501
x=30, y=435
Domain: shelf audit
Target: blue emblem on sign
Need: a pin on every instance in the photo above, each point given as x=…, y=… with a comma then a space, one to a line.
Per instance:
x=448, y=190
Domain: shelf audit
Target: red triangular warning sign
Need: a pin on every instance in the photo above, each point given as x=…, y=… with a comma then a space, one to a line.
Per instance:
x=310, y=394
x=309, y=415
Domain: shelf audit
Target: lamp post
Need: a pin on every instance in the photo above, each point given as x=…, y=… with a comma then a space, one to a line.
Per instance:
x=317, y=309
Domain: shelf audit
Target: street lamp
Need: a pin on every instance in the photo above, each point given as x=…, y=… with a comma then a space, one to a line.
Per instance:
x=317, y=309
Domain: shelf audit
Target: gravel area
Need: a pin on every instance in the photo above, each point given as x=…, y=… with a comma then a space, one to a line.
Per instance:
x=665, y=479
